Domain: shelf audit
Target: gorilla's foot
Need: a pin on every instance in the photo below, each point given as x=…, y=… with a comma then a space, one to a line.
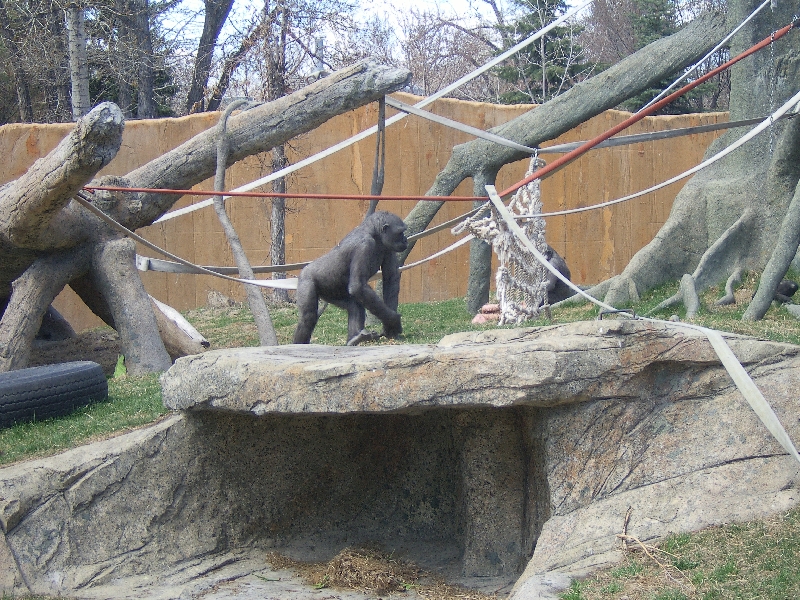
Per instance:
x=365, y=335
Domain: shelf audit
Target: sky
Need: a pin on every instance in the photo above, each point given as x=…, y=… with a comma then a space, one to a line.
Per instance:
x=459, y=7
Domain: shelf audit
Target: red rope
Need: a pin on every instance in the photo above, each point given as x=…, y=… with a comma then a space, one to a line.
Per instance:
x=285, y=194
x=570, y=156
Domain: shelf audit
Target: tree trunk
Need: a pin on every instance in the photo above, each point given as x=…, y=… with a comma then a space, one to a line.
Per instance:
x=39, y=223
x=277, y=248
x=728, y=216
x=146, y=101
x=24, y=104
x=78, y=61
x=215, y=15
x=480, y=254
x=32, y=295
x=115, y=274
x=277, y=23
x=57, y=77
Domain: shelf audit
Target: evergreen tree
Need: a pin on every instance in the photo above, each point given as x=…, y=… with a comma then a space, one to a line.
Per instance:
x=550, y=65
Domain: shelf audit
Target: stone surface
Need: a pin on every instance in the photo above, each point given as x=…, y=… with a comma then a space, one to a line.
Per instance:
x=481, y=456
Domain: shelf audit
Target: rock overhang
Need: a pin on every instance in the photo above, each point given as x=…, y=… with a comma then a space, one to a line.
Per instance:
x=535, y=367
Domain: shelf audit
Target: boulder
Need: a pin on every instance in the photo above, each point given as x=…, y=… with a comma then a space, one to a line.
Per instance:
x=510, y=455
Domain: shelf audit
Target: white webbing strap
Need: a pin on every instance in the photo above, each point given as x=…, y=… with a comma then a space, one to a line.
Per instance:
x=735, y=369
x=463, y=127
x=270, y=283
x=748, y=388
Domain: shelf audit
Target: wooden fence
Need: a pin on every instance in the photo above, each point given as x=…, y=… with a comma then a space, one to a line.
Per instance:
x=595, y=244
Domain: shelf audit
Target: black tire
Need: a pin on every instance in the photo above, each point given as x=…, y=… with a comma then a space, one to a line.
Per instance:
x=50, y=391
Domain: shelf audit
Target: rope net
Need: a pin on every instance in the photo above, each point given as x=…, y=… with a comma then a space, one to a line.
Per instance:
x=521, y=280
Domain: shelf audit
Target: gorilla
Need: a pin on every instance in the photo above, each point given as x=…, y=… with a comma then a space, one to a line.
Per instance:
x=341, y=277
x=557, y=290
x=785, y=290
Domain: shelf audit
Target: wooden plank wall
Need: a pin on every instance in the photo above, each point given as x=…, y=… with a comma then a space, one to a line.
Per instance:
x=596, y=244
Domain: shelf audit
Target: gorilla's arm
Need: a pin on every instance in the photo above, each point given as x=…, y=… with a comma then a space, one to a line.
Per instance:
x=390, y=270
x=362, y=267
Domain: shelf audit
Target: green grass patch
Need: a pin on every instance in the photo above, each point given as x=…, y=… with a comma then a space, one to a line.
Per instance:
x=132, y=402
x=744, y=561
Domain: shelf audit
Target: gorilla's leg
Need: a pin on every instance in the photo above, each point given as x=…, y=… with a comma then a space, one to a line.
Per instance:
x=356, y=316
x=307, y=306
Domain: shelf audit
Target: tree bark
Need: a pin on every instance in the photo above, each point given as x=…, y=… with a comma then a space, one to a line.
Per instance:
x=30, y=205
x=778, y=264
x=38, y=220
x=114, y=272
x=146, y=101
x=277, y=248
x=78, y=61
x=32, y=295
x=215, y=15
x=24, y=103
x=480, y=254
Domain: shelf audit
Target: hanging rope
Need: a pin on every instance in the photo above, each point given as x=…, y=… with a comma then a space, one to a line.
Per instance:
x=378, y=170
x=521, y=281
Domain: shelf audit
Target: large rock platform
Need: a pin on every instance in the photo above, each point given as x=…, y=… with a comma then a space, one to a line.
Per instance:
x=509, y=455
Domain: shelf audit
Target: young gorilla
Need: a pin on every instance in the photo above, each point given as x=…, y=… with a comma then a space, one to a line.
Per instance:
x=557, y=290
x=341, y=278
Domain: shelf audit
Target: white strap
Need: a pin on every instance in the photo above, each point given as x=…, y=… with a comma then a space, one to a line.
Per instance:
x=486, y=135
x=791, y=103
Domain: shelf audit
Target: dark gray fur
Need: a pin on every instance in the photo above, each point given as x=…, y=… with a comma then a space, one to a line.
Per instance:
x=341, y=277
x=557, y=290
x=785, y=290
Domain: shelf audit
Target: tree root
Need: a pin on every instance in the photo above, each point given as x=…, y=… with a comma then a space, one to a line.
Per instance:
x=686, y=294
x=778, y=264
x=730, y=286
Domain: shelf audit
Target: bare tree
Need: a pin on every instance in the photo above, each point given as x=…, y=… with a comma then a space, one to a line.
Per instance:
x=78, y=60
x=216, y=13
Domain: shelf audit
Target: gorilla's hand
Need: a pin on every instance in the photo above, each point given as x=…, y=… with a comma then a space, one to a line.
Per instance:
x=392, y=327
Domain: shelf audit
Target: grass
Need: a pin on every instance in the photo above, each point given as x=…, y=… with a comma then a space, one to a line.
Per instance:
x=423, y=323
x=751, y=561
x=758, y=560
